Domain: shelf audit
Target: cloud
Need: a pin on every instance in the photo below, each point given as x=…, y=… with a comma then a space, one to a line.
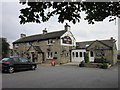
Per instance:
x=119, y=34
x=11, y=29
x=100, y=30
x=0, y=19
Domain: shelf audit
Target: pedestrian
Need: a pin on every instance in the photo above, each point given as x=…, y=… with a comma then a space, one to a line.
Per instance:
x=53, y=62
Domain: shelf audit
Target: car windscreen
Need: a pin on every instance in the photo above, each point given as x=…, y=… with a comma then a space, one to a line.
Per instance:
x=5, y=59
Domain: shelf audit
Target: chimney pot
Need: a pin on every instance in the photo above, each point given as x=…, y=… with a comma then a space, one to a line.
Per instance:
x=23, y=35
x=67, y=27
x=45, y=31
x=111, y=38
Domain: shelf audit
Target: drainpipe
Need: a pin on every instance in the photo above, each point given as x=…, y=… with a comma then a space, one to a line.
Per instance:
x=70, y=56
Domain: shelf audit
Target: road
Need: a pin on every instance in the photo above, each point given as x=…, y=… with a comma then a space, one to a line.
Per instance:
x=62, y=77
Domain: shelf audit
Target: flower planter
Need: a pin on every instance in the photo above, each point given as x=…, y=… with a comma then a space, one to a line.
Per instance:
x=81, y=65
x=104, y=66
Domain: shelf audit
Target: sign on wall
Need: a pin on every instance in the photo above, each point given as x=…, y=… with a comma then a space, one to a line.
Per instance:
x=99, y=53
x=66, y=40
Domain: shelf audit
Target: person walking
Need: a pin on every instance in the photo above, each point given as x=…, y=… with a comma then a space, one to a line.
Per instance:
x=53, y=62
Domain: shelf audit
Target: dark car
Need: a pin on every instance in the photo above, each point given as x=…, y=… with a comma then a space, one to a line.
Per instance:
x=13, y=63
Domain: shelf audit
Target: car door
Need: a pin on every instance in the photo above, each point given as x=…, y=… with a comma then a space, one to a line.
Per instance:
x=17, y=63
x=24, y=63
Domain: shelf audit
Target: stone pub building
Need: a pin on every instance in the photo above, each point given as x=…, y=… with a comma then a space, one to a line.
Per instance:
x=42, y=48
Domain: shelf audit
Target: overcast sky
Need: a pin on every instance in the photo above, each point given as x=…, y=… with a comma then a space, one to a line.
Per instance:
x=11, y=29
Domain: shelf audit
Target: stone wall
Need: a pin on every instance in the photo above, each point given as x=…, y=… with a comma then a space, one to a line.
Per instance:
x=115, y=53
x=61, y=52
x=110, y=54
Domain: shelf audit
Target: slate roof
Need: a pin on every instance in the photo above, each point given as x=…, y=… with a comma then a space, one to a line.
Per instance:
x=40, y=37
x=82, y=45
x=37, y=48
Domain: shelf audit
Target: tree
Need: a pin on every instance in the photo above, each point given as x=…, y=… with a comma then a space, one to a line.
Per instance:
x=42, y=11
x=5, y=47
x=86, y=57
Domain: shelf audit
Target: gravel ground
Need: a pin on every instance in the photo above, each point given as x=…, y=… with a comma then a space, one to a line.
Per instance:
x=65, y=76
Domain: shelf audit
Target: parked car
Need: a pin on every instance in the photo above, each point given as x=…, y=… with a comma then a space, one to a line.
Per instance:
x=14, y=63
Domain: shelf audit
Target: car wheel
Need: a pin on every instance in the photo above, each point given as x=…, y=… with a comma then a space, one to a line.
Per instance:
x=11, y=70
x=33, y=67
x=3, y=71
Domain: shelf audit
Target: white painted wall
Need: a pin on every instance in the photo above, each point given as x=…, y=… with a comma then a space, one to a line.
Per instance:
x=91, y=58
x=79, y=59
x=68, y=33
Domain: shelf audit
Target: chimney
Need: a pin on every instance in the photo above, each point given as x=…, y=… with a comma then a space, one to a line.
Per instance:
x=111, y=38
x=22, y=35
x=67, y=27
x=45, y=31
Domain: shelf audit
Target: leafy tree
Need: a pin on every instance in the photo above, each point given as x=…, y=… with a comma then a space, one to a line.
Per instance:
x=42, y=11
x=5, y=47
x=103, y=60
x=86, y=57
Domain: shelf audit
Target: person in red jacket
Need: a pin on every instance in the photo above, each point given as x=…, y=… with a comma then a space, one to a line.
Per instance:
x=53, y=62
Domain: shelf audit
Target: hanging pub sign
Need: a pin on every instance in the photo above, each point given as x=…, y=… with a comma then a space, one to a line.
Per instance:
x=67, y=40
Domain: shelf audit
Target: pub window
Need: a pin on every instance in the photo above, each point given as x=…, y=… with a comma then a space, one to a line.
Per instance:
x=84, y=54
x=50, y=55
x=55, y=52
x=103, y=54
x=28, y=44
x=98, y=53
x=91, y=53
x=73, y=54
x=16, y=45
x=76, y=54
x=86, y=45
x=67, y=54
x=80, y=54
x=50, y=41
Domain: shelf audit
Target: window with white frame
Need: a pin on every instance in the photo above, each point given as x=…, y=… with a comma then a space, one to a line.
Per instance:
x=84, y=53
x=28, y=44
x=99, y=53
x=87, y=45
x=67, y=54
x=49, y=55
x=50, y=41
x=16, y=45
x=76, y=54
x=91, y=53
x=81, y=54
x=73, y=54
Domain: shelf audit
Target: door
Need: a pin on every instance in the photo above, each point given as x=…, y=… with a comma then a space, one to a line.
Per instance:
x=32, y=56
x=43, y=57
x=17, y=63
x=25, y=64
x=77, y=56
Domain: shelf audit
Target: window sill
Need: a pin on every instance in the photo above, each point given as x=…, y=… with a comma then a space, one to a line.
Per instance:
x=49, y=58
x=50, y=44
